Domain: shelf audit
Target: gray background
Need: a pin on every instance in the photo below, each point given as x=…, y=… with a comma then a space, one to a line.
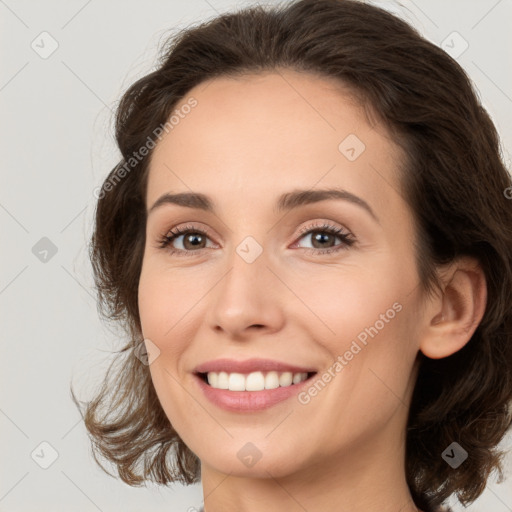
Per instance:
x=56, y=147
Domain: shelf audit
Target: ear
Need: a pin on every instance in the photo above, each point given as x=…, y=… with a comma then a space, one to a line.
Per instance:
x=453, y=317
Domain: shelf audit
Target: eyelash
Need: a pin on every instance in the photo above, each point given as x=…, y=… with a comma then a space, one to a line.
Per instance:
x=347, y=238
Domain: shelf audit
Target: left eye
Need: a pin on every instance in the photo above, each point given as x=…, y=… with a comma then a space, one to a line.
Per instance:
x=320, y=236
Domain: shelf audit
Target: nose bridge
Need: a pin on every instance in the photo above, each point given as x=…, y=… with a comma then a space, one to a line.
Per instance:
x=247, y=271
x=245, y=296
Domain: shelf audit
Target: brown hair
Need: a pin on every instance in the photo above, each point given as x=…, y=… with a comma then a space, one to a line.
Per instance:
x=453, y=178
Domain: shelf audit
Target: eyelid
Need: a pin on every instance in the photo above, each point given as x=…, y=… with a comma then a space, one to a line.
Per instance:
x=328, y=226
x=339, y=231
x=190, y=226
x=320, y=223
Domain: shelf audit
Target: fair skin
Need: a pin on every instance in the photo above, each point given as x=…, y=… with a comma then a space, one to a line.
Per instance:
x=248, y=141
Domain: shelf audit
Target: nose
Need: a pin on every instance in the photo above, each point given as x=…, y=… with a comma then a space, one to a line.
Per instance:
x=247, y=299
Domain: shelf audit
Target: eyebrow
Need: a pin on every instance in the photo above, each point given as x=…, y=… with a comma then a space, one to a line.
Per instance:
x=285, y=202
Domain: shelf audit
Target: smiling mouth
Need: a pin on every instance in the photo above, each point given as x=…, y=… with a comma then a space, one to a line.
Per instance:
x=254, y=381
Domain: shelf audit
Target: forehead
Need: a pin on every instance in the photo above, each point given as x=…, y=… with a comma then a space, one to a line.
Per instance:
x=261, y=134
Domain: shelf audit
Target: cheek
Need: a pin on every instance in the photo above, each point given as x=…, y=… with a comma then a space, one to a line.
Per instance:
x=159, y=316
x=347, y=305
x=163, y=307
x=365, y=325
x=382, y=353
x=166, y=301
x=152, y=304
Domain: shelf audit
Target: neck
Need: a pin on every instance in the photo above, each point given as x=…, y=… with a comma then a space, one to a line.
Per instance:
x=368, y=479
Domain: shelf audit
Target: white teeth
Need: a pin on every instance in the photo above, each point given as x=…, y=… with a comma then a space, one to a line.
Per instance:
x=213, y=379
x=255, y=381
x=286, y=379
x=223, y=381
x=297, y=378
x=236, y=382
x=271, y=380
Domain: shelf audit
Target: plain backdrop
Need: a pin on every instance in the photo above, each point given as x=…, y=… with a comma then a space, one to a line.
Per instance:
x=64, y=66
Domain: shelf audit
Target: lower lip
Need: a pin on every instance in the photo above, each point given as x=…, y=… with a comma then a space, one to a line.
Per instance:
x=246, y=401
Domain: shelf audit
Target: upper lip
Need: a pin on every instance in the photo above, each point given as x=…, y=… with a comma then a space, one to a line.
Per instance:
x=249, y=365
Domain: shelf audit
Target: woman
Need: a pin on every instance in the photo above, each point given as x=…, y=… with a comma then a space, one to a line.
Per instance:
x=309, y=233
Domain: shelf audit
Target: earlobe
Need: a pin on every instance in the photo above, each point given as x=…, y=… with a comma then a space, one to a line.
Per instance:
x=456, y=314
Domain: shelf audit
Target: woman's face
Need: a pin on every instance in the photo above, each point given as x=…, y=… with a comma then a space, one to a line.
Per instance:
x=277, y=270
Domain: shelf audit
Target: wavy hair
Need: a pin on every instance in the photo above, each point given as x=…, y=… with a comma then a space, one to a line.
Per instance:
x=452, y=176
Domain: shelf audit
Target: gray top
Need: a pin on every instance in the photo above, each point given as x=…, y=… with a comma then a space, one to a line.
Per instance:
x=442, y=509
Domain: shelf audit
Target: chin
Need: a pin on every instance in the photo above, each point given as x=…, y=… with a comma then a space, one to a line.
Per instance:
x=249, y=461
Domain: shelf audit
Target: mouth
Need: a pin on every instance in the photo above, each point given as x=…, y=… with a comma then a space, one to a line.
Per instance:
x=251, y=392
x=251, y=385
x=253, y=381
